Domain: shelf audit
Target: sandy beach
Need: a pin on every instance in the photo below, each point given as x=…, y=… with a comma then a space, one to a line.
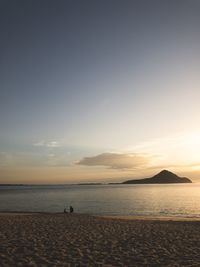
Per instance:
x=83, y=240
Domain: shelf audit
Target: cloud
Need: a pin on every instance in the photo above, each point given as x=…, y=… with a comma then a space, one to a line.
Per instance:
x=51, y=144
x=117, y=160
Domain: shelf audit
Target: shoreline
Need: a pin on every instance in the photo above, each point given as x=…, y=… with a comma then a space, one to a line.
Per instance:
x=109, y=217
x=151, y=218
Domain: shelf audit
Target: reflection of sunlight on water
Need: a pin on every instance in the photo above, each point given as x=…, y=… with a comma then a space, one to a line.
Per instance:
x=157, y=200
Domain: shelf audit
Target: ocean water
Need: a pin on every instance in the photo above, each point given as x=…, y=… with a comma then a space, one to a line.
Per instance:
x=147, y=200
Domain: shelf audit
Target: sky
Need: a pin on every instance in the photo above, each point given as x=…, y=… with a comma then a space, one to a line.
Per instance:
x=98, y=91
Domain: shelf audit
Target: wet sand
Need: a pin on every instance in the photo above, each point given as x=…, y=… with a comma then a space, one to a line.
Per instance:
x=37, y=239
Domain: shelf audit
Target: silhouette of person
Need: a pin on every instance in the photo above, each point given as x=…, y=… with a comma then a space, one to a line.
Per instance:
x=71, y=209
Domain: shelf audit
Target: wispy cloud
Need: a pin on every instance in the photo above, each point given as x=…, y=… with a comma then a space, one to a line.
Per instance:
x=50, y=144
x=117, y=160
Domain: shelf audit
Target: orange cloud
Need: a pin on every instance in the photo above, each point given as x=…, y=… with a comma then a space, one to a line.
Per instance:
x=116, y=160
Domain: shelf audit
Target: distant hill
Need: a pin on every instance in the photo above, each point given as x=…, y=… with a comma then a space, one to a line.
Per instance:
x=163, y=177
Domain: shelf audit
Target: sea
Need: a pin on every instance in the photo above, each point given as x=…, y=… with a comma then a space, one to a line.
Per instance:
x=169, y=200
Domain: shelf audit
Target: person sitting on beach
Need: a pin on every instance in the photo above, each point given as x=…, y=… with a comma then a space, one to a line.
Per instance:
x=71, y=209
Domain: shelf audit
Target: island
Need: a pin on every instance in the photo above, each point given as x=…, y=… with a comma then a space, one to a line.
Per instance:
x=163, y=177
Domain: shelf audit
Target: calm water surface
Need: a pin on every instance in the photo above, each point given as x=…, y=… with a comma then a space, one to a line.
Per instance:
x=154, y=200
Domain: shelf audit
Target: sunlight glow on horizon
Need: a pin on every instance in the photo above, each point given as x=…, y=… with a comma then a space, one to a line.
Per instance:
x=177, y=153
x=98, y=90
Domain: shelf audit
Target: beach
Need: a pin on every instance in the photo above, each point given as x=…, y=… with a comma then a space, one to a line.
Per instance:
x=55, y=239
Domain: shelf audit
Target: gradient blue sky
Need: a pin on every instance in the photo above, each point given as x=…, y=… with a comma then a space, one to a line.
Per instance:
x=98, y=90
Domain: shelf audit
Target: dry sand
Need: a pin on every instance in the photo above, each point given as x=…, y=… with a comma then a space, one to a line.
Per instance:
x=82, y=240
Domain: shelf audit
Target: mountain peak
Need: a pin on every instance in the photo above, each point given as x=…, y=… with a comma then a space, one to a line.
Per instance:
x=165, y=173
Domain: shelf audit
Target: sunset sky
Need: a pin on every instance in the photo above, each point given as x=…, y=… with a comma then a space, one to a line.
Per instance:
x=99, y=90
